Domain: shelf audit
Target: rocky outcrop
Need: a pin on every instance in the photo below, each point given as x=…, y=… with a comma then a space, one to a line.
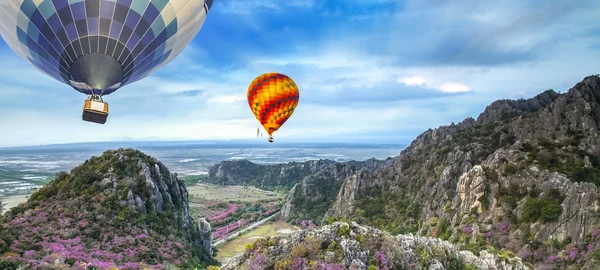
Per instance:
x=351, y=246
x=205, y=232
x=310, y=198
x=506, y=108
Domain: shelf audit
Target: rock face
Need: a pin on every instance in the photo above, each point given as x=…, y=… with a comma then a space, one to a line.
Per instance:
x=244, y=172
x=522, y=176
x=351, y=246
x=123, y=202
x=310, y=198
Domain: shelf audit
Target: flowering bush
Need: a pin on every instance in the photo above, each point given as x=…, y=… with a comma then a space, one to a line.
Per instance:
x=76, y=238
x=308, y=224
x=381, y=260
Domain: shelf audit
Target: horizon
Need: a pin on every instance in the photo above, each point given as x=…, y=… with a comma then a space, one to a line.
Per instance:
x=223, y=142
x=375, y=71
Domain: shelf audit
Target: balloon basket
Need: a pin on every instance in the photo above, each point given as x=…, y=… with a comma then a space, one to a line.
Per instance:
x=95, y=110
x=271, y=139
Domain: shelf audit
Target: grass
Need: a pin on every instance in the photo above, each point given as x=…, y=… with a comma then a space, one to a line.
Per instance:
x=238, y=245
x=191, y=180
x=201, y=192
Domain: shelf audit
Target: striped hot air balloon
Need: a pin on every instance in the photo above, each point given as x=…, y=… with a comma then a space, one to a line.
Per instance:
x=273, y=97
x=99, y=46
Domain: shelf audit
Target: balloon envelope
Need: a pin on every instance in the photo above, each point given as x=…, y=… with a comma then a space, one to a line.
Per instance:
x=98, y=46
x=273, y=97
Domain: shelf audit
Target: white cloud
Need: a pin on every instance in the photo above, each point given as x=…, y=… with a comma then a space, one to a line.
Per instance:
x=227, y=99
x=447, y=87
x=410, y=81
x=454, y=87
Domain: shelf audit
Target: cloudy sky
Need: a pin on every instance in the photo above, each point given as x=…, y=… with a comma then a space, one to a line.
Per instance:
x=376, y=70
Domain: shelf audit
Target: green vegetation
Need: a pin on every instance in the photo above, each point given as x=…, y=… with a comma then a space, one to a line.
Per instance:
x=194, y=179
x=510, y=169
x=565, y=158
x=444, y=229
x=394, y=212
x=343, y=231
x=546, y=209
x=331, y=220
x=315, y=207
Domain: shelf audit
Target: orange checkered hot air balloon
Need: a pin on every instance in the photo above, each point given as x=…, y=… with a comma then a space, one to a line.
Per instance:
x=273, y=97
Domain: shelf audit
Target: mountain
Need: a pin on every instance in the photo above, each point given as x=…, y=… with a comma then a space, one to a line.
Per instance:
x=351, y=246
x=522, y=178
x=320, y=178
x=121, y=209
x=281, y=176
x=311, y=197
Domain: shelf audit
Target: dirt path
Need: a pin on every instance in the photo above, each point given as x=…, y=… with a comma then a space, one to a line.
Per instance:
x=254, y=225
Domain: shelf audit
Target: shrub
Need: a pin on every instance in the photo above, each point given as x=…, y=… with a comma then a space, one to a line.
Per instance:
x=448, y=207
x=547, y=159
x=343, y=231
x=9, y=265
x=546, y=209
x=510, y=169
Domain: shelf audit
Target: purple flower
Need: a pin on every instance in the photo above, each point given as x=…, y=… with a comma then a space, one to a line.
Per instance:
x=143, y=235
x=297, y=265
x=596, y=234
x=29, y=254
x=380, y=257
x=258, y=262
x=572, y=254
x=525, y=253
x=503, y=227
x=552, y=259
x=468, y=229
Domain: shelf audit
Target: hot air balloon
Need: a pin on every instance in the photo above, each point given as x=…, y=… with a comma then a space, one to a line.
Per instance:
x=99, y=46
x=273, y=97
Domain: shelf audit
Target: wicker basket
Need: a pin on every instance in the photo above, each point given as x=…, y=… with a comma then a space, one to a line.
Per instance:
x=95, y=111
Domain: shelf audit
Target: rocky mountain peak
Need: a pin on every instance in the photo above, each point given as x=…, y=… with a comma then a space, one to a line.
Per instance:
x=506, y=108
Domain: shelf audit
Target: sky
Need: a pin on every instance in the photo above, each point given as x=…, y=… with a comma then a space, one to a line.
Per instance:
x=367, y=70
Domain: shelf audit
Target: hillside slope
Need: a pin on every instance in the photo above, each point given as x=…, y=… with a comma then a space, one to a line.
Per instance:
x=122, y=209
x=351, y=246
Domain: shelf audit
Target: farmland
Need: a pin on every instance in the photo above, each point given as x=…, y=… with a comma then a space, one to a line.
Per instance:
x=230, y=208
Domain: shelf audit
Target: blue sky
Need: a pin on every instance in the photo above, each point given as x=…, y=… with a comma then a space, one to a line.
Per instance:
x=377, y=70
